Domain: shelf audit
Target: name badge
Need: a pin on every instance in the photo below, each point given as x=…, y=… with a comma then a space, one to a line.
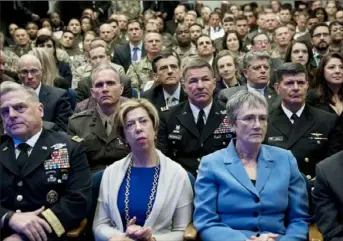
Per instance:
x=275, y=138
x=174, y=137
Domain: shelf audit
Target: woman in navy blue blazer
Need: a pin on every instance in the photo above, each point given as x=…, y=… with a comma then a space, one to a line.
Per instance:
x=250, y=191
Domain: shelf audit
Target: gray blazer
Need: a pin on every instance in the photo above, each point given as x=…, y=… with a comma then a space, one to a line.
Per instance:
x=272, y=97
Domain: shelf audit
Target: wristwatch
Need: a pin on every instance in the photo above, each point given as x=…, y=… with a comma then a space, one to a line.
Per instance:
x=7, y=219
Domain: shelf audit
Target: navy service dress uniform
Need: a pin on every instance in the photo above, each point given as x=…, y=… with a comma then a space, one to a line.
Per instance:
x=56, y=176
x=314, y=137
x=179, y=137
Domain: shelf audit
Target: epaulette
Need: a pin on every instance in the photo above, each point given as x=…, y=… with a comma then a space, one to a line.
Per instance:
x=82, y=113
x=77, y=139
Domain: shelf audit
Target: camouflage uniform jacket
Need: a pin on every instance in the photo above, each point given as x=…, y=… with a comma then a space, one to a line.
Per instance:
x=140, y=73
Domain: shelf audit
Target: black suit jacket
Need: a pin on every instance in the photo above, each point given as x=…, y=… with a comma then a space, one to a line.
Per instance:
x=171, y=26
x=328, y=197
x=83, y=90
x=156, y=97
x=180, y=139
x=57, y=106
x=315, y=136
x=122, y=55
x=64, y=188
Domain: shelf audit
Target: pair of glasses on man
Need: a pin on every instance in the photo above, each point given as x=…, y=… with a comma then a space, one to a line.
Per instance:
x=26, y=72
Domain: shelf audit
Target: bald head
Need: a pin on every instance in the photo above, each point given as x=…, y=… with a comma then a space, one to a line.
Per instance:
x=29, y=58
x=30, y=71
x=44, y=31
x=106, y=32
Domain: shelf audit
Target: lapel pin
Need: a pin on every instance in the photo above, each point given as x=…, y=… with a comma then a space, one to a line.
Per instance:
x=5, y=148
x=269, y=96
x=44, y=148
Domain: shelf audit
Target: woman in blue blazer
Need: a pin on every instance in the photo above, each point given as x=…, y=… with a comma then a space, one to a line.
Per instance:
x=250, y=191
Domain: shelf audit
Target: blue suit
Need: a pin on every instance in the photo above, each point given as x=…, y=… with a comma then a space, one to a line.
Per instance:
x=229, y=207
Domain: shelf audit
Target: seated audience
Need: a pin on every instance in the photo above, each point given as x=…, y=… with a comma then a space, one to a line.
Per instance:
x=239, y=192
x=146, y=195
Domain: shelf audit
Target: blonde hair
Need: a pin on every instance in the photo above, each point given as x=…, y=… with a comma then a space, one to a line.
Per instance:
x=49, y=69
x=129, y=105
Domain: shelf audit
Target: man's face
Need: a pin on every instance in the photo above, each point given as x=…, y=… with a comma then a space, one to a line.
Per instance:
x=12, y=28
x=331, y=8
x=292, y=89
x=261, y=20
x=270, y=21
x=250, y=16
x=199, y=85
x=311, y=22
x=189, y=19
x=258, y=73
x=195, y=32
x=32, y=30
x=285, y=15
x=242, y=27
x=275, y=6
x=205, y=14
x=214, y=20
x=106, y=88
x=183, y=35
x=204, y=46
x=321, y=38
x=179, y=14
x=21, y=117
x=151, y=28
x=106, y=32
x=301, y=22
x=337, y=32
x=122, y=20
x=229, y=26
x=115, y=27
x=74, y=26
x=87, y=42
x=30, y=72
x=316, y=4
x=134, y=32
x=67, y=40
x=261, y=43
x=98, y=56
x=55, y=19
x=168, y=71
x=291, y=30
x=88, y=12
x=339, y=16
x=2, y=66
x=153, y=43
x=86, y=24
x=21, y=37
x=282, y=36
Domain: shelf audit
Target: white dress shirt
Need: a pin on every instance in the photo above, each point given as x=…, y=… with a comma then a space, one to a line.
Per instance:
x=254, y=89
x=139, y=51
x=290, y=113
x=37, y=90
x=196, y=110
x=175, y=95
x=31, y=142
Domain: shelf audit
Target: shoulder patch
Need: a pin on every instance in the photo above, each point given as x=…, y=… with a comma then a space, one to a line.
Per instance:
x=77, y=139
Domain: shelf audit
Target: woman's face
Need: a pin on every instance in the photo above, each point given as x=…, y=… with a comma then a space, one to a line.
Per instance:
x=333, y=71
x=87, y=42
x=251, y=124
x=86, y=25
x=226, y=67
x=48, y=46
x=232, y=42
x=46, y=24
x=299, y=54
x=139, y=130
x=74, y=26
x=320, y=15
x=12, y=28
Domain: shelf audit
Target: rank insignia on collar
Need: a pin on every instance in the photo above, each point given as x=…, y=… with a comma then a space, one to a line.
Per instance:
x=52, y=197
x=77, y=139
x=44, y=148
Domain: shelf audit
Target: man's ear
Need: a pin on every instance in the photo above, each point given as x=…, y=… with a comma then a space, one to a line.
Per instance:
x=276, y=87
x=92, y=92
x=245, y=73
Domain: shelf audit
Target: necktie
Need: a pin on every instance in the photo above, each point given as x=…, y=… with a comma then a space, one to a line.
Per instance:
x=171, y=101
x=200, y=121
x=23, y=155
x=108, y=127
x=135, y=54
x=295, y=118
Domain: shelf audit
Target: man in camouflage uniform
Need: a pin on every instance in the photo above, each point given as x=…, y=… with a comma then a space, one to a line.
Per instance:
x=185, y=47
x=282, y=39
x=116, y=39
x=108, y=34
x=141, y=72
x=23, y=44
x=130, y=8
x=11, y=66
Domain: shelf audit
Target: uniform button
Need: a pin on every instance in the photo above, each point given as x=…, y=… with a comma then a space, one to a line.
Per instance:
x=202, y=144
x=258, y=235
x=59, y=181
x=255, y=214
x=309, y=177
x=18, y=211
x=198, y=159
x=20, y=183
x=19, y=198
x=224, y=143
x=306, y=159
x=173, y=142
x=318, y=142
x=257, y=200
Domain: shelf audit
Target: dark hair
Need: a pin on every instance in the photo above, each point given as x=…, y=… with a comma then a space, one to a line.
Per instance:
x=292, y=23
x=45, y=38
x=163, y=55
x=195, y=24
x=286, y=6
x=42, y=20
x=228, y=19
x=335, y=23
x=289, y=69
x=325, y=93
x=112, y=20
x=135, y=21
x=225, y=38
x=203, y=35
x=91, y=21
x=258, y=34
x=324, y=12
x=28, y=23
x=68, y=31
x=88, y=32
x=241, y=17
x=215, y=13
x=317, y=25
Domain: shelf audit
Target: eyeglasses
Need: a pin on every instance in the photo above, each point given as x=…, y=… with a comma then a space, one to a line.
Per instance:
x=25, y=72
x=260, y=42
x=251, y=119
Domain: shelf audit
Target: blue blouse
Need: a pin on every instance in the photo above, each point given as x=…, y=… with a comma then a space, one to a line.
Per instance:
x=141, y=183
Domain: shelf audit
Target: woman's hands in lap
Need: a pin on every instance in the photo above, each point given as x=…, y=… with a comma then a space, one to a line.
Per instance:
x=137, y=232
x=264, y=237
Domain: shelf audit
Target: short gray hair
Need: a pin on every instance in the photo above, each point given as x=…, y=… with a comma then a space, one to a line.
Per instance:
x=10, y=86
x=251, y=55
x=253, y=99
x=101, y=68
x=290, y=69
x=196, y=63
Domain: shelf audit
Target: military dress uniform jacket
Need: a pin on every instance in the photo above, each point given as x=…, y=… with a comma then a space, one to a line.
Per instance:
x=180, y=139
x=56, y=175
x=102, y=150
x=315, y=136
